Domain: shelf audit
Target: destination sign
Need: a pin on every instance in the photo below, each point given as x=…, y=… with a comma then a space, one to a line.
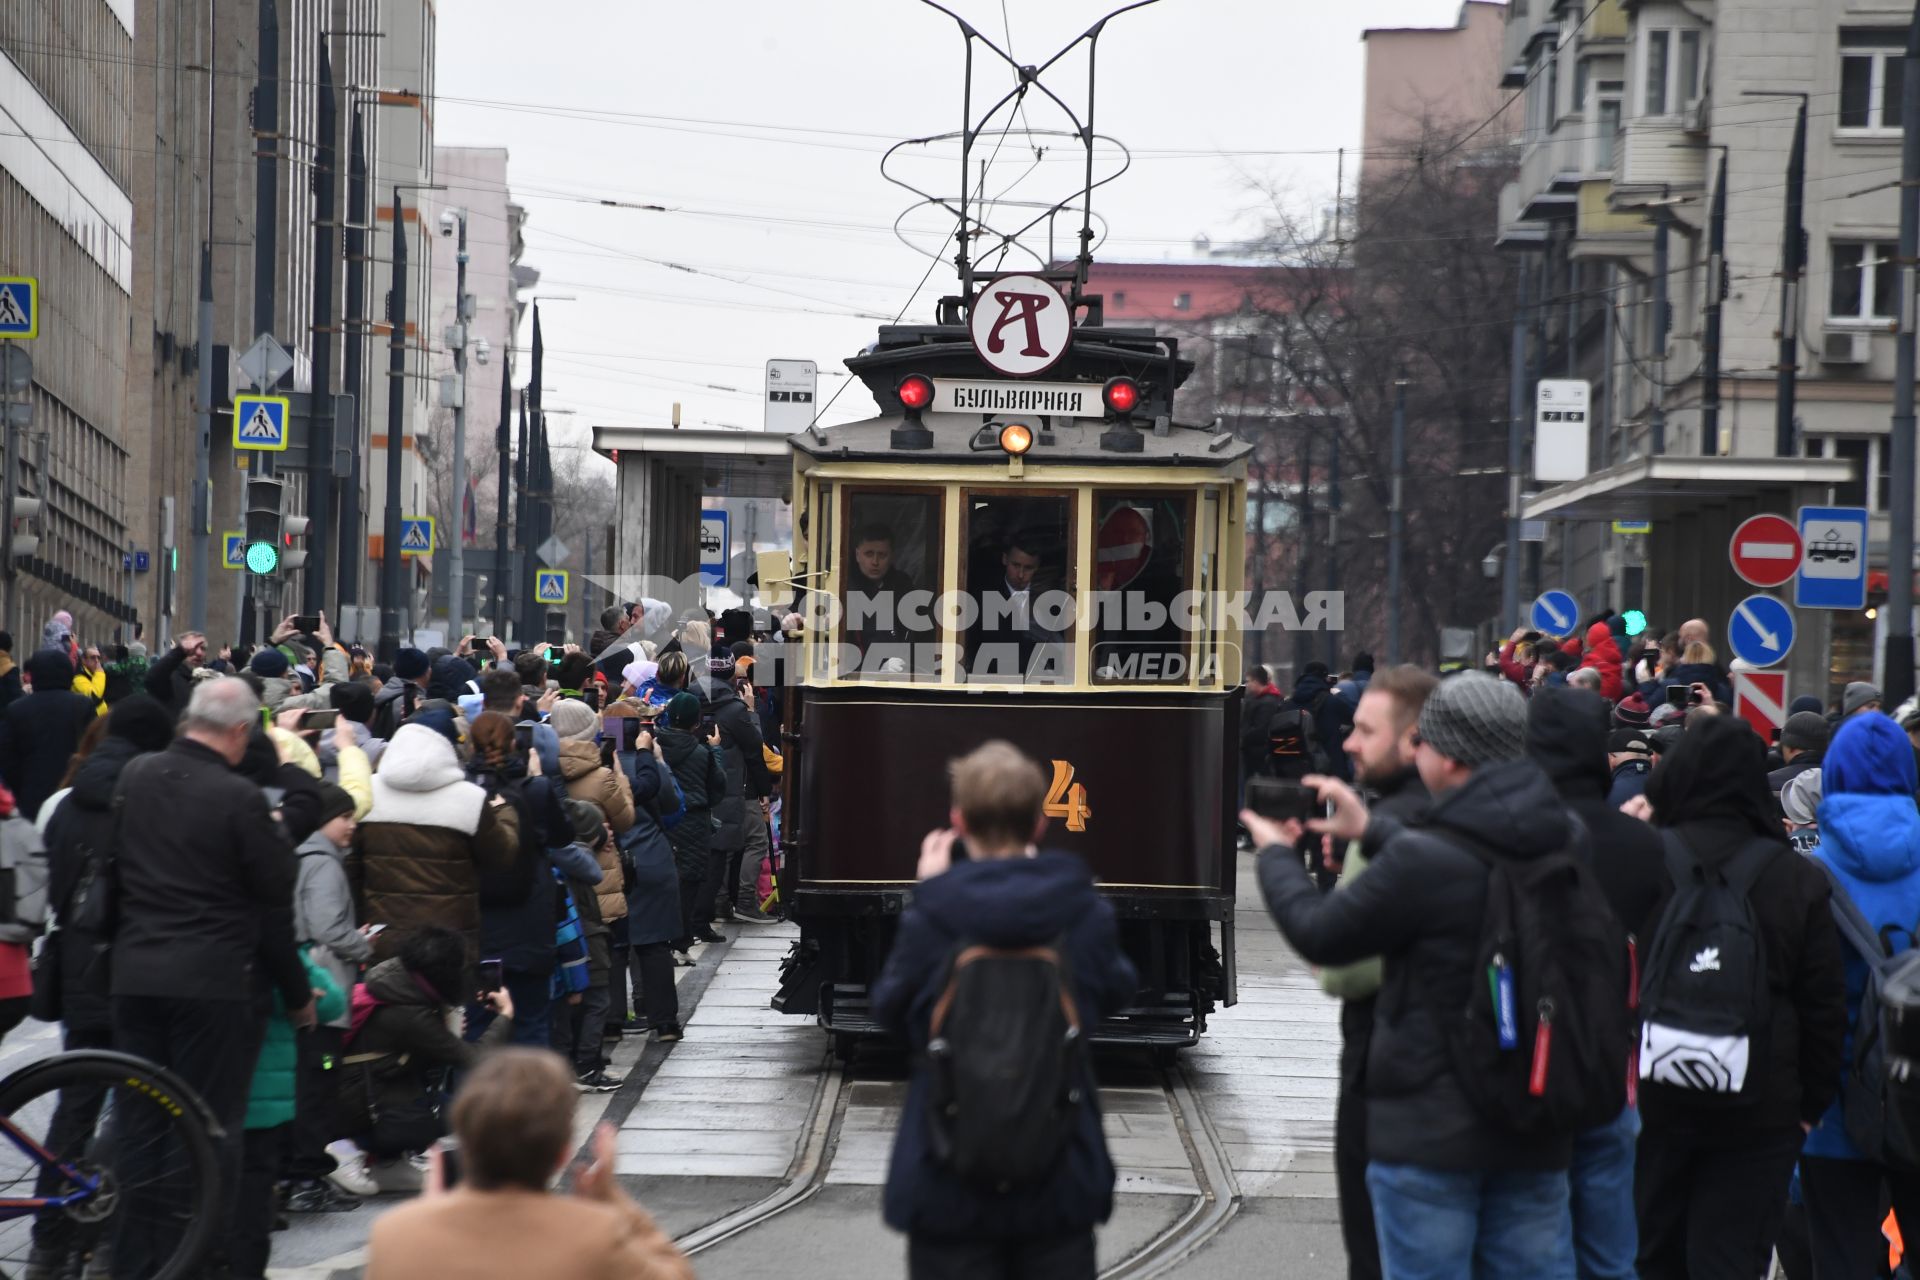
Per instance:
x=1060, y=399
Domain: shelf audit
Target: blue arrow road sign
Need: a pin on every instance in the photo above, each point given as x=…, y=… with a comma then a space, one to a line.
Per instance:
x=260, y=422
x=1761, y=630
x=1833, y=563
x=19, y=307
x=715, y=544
x=550, y=586
x=1556, y=613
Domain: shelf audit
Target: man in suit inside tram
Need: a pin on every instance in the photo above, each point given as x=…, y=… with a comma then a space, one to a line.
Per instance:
x=1002, y=642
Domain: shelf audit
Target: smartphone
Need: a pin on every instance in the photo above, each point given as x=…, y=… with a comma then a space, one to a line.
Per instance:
x=319, y=719
x=959, y=852
x=1677, y=695
x=523, y=736
x=306, y=623
x=375, y=930
x=493, y=975
x=554, y=654
x=1280, y=799
x=449, y=1163
x=706, y=728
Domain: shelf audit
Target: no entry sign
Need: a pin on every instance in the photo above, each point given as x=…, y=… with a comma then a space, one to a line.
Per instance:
x=1125, y=544
x=1765, y=550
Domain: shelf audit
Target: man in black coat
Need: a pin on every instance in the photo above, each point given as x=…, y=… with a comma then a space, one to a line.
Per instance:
x=1712, y=1169
x=170, y=680
x=1452, y=1192
x=1382, y=748
x=39, y=732
x=10, y=689
x=1004, y=894
x=1332, y=716
x=203, y=878
x=1258, y=705
x=1567, y=735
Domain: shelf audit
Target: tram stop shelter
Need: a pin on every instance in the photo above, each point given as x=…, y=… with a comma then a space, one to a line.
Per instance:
x=1694, y=504
x=666, y=475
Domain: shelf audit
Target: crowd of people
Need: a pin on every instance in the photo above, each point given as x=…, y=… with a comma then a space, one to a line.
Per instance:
x=331, y=893
x=1481, y=829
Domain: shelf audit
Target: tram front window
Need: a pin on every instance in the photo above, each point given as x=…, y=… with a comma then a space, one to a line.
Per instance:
x=891, y=575
x=1019, y=584
x=1142, y=625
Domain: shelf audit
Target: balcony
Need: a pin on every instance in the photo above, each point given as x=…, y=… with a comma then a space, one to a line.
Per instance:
x=1514, y=231
x=1550, y=173
x=1655, y=153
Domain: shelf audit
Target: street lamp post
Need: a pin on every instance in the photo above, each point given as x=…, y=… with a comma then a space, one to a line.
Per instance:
x=456, y=558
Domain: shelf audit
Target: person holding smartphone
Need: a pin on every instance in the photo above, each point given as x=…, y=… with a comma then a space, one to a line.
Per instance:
x=695, y=762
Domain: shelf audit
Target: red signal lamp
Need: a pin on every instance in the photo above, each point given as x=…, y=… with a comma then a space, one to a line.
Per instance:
x=1121, y=396
x=915, y=391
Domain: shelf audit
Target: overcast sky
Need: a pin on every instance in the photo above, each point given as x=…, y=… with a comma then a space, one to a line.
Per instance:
x=761, y=124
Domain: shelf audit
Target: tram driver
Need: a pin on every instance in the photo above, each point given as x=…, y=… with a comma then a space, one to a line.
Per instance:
x=1004, y=639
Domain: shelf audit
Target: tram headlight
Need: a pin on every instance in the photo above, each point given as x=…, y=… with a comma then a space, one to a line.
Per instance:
x=1016, y=438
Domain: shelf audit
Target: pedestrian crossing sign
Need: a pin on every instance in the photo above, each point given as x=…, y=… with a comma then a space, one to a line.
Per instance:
x=19, y=307
x=416, y=535
x=260, y=422
x=550, y=586
x=233, y=549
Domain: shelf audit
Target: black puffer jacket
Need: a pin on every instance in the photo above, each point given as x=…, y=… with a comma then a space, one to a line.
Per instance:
x=703, y=781
x=1712, y=790
x=39, y=732
x=77, y=839
x=1419, y=906
x=740, y=751
x=1567, y=733
x=395, y=1017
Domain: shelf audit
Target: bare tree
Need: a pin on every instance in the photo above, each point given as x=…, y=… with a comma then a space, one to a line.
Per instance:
x=1407, y=286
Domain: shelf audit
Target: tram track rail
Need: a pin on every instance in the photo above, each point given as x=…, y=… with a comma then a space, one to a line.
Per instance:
x=1217, y=1201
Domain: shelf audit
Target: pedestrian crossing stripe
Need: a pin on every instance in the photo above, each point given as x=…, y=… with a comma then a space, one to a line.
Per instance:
x=550, y=586
x=260, y=422
x=19, y=307
x=233, y=549
x=416, y=535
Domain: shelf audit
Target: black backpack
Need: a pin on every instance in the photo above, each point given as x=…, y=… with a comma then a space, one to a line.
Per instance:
x=1704, y=1001
x=1880, y=1090
x=395, y=711
x=1293, y=744
x=1546, y=1040
x=1006, y=1056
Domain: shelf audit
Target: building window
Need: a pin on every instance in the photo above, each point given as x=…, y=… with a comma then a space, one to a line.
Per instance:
x=1670, y=69
x=1872, y=458
x=1119, y=299
x=1183, y=302
x=1864, y=279
x=1871, y=79
x=1606, y=129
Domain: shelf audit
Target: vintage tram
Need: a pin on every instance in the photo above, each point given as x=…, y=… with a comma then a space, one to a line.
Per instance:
x=1118, y=671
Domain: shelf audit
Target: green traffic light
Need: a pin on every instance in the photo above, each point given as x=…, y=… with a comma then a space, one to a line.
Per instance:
x=1635, y=621
x=262, y=557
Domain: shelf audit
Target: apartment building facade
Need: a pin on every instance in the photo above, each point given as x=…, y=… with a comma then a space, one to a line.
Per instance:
x=1643, y=120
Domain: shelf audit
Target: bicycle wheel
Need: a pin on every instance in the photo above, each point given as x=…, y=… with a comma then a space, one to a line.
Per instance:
x=108, y=1162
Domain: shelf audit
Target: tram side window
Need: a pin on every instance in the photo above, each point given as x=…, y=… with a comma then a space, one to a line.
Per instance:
x=1142, y=624
x=1019, y=589
x=892, y=574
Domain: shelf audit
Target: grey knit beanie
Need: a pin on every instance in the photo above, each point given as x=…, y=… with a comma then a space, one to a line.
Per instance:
x=1476, y=719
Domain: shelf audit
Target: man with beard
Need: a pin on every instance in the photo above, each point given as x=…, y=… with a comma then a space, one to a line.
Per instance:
x=1380, y=749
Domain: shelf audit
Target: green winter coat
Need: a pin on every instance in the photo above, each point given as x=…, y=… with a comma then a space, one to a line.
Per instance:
x=270, y=1102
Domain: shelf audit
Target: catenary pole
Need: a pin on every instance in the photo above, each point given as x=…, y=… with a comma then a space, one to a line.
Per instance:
x=392, y=581
x=1897, y=672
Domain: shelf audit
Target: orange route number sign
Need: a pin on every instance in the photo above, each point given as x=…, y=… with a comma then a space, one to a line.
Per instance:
x=1067, y=798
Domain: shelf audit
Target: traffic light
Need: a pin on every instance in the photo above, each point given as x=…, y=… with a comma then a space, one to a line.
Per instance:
x=26, y=516
x=292, y=530
x=1634, y=621
x=263, y=531
x=556, y=620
